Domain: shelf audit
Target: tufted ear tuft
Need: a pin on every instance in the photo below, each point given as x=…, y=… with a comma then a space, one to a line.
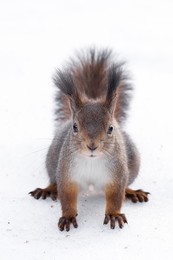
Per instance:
x=64, y=82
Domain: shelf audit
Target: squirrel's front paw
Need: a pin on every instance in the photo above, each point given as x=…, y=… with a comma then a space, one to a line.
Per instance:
x=120, y=218
x=64, y=223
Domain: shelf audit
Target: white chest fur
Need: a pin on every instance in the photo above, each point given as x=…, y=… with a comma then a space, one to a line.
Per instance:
x=89, y=170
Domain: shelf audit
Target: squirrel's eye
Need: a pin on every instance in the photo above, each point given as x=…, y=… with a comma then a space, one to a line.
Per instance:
x=110, y=129
x=75, y=128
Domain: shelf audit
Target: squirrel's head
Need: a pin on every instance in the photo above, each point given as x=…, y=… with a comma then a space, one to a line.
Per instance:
x=93, y=128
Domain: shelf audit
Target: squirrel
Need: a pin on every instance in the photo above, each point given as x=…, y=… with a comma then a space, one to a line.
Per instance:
x=90, y=145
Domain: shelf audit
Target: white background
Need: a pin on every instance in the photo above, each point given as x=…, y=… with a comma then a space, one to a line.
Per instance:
x=37, y=36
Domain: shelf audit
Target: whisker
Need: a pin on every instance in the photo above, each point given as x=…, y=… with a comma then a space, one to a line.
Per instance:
x=40, y=150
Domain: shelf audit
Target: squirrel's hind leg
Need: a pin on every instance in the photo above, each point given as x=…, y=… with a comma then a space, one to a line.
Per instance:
x=49, y=191
x=136, y=195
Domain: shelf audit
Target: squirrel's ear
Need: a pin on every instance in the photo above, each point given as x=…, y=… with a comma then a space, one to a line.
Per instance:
x=75, y=102
x=111, y=103
x=64, y=81
x=114, y=80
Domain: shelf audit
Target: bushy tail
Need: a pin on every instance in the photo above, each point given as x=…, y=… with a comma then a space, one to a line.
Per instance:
x=89, y=76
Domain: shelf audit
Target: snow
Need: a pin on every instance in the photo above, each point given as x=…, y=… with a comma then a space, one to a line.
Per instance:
x=36, y=37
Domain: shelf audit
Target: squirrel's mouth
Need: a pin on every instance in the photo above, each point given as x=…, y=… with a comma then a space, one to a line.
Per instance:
x=92, y=155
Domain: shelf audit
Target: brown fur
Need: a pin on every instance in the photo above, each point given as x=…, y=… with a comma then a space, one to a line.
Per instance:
x=89, y=77
x=114, y=198
x=68, y=196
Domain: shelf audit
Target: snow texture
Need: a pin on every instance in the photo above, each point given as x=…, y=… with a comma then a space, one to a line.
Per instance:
x=36, y=37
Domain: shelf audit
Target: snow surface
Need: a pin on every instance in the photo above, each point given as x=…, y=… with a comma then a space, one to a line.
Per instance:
x=36, y=37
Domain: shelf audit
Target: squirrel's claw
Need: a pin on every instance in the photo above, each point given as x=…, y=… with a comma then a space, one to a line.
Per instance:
x=37, y=193
x=120, y=218
x=64, y=223
x=50, y=191
x=137, y=195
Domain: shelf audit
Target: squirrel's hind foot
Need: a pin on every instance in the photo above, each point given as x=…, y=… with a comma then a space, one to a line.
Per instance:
x=137, y=195
x=50, y=191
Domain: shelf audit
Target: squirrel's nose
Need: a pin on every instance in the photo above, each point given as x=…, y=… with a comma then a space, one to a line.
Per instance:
x=92, y=147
